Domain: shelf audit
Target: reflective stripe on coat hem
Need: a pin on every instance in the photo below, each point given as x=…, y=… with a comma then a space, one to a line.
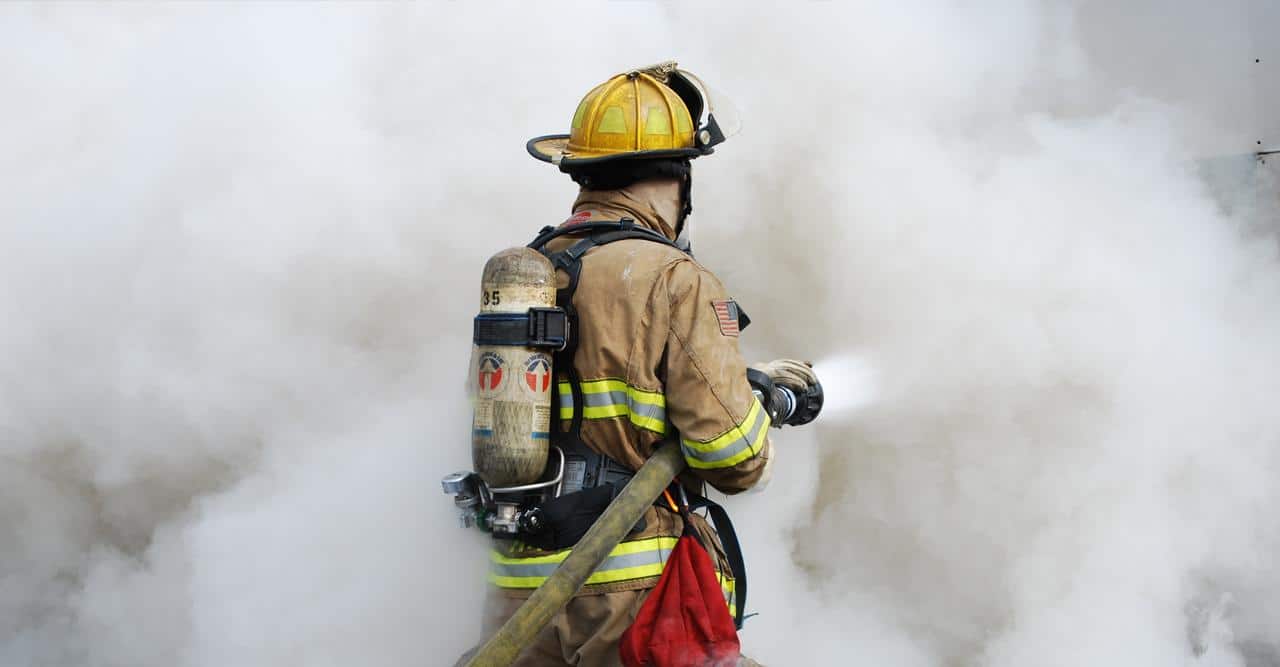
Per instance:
x=726, y=589
x=592, y=589
x=635, y=559
x=632, y=565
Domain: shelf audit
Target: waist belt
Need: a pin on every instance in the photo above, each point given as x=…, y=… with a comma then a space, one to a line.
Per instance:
x=590, y=482
x=595, y=470
x=584, y=468
x=564, y=520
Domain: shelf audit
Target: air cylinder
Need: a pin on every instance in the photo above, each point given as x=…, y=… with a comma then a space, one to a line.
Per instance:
x=512, y=383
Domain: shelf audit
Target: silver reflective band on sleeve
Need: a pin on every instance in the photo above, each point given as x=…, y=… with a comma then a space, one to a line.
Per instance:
x=734, y=446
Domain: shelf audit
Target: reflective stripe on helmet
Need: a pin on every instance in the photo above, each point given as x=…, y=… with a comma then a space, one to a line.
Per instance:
x=732, y=447
x=639, y=559
x=630, y=113
x=604, y=399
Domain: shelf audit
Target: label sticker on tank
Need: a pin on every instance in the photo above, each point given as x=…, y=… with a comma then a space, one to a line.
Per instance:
x=537, y=374
x=482, y=419
x=543, y=419
x=542, y=422
x=490, y=375
x=575, y=472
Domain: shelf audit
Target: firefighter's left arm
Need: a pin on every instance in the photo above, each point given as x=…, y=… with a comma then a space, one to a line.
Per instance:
x=723, y=428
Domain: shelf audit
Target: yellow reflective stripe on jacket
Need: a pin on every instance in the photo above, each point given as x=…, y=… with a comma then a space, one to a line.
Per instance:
x=604, y=399
x=638, y=559
x=733, y=446
x=727, y=587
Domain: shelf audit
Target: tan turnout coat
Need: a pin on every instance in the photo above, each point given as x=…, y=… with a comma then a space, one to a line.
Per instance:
x=655, y=345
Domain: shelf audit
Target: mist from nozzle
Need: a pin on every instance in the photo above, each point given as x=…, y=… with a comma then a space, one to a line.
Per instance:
x=849, y=385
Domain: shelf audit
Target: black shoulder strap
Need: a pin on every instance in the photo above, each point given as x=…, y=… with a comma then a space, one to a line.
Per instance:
x=569, y=260
x=603, y=231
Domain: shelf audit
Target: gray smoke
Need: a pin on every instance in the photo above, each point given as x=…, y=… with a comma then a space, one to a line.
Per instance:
x=1023, y=243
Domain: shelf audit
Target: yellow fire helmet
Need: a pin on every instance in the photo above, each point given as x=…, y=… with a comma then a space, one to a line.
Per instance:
x=643, y=113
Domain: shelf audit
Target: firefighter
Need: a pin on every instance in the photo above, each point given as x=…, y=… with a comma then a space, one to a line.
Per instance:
x=654, y=357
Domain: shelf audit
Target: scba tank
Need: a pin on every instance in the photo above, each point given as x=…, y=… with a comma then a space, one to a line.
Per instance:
x=511, y=373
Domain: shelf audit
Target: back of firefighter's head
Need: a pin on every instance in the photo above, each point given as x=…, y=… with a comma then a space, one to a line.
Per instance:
x=641, y=124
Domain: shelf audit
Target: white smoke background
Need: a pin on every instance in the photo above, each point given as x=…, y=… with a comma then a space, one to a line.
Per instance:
x=238, y=259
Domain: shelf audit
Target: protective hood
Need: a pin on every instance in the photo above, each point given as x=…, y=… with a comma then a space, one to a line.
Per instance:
x=654, y=204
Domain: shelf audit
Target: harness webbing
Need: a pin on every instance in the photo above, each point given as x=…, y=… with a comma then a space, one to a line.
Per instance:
x=569, y=260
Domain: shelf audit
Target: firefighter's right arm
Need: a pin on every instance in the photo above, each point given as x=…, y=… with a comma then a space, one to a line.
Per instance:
x=723, y=428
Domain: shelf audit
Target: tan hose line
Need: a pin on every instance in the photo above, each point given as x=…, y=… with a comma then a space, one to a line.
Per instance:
x=606, y=533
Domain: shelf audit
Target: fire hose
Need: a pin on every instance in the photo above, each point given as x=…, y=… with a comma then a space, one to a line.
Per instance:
x=608, y=531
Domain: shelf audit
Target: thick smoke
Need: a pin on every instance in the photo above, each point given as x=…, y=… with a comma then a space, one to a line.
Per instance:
x=238, y=261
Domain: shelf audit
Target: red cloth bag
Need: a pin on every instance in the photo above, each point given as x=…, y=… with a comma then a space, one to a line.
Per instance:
x=685, y=621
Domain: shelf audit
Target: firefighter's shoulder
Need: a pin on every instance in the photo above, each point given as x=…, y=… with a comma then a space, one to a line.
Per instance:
x=639, y=259
x=685, y=277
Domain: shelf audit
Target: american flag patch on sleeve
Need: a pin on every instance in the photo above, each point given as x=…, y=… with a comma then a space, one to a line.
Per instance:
x=727, y=316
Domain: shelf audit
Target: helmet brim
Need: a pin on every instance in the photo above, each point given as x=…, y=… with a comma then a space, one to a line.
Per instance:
x=554, y=148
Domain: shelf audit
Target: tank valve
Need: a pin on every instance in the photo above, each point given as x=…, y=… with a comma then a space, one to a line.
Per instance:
x=465, y=489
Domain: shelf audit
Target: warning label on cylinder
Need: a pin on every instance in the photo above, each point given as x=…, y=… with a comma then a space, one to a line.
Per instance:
x=541, y=420
x=537, y=375
x=491, y=374
x=483, y=416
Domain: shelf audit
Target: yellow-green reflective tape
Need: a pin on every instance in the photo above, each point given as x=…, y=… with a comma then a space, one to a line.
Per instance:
x=638, y=559
x=612, y=122
x=682, y=123
x=727, y=588
x=577, y=115
x=657, y=121
x=732, y=447
x=604, y=399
